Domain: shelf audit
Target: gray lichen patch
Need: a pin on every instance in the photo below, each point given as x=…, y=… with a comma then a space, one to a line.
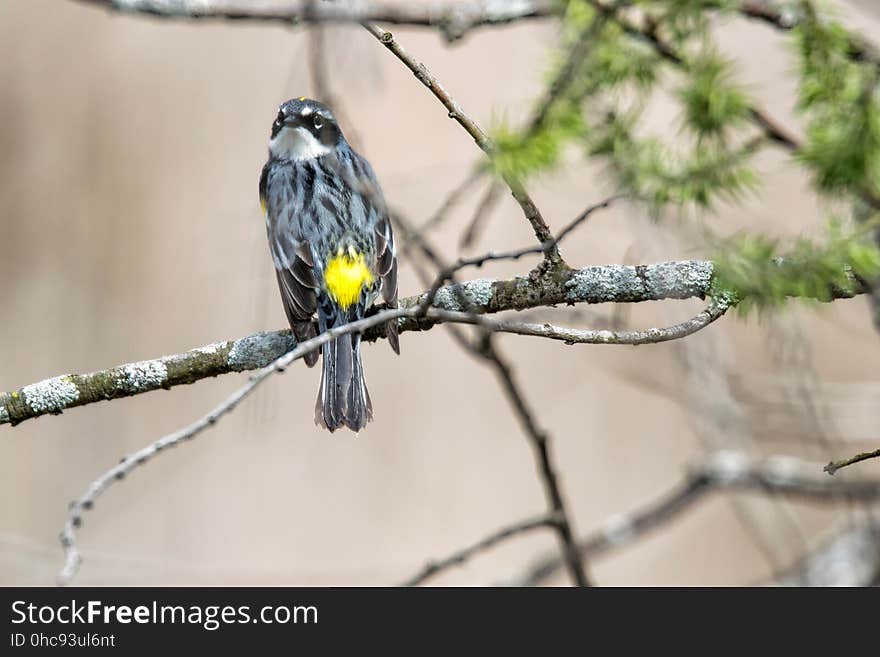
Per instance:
x=4, y=414
x=665, y=280
x=476, y=294
x=51, y=395
x=679, y=280
x=601, y=284
x=619, y=530
x=145, y=375
x=211, y=349
x=258, y=350
x=727, y=467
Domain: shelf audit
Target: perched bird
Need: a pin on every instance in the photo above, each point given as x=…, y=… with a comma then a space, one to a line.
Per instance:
x=331, y=242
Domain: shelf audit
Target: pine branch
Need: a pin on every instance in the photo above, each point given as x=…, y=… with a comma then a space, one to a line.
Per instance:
x=784, y=17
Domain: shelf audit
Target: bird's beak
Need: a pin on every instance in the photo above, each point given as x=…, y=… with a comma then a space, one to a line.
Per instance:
x=292, y=122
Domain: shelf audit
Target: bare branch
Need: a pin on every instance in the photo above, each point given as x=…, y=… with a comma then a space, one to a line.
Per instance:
x=452, y=19
x=733, y=471
x=486, y=350
x=834, y=466
x=571, y=336
x=540, y=442
x=530, y=210
x=474, y=176
x=85, y=503
x=459, y=557
x=481, y=215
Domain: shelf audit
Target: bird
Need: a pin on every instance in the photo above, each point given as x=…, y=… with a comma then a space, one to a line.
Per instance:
x=332, y=246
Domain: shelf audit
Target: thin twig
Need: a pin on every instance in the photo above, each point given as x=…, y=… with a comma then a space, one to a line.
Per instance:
x=566, y=74
x=540, y=442
x=570, y=336
x=530, y=210
x=474, y=176
x=459, y=557
x=445, y=274
x=452, y=199
x=834, y=466
x=86, y=502
x=481, y=215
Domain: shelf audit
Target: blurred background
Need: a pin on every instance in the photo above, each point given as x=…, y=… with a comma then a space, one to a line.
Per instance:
x=130, y=150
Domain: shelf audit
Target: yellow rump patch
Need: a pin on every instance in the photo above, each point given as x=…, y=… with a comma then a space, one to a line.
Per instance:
x=345, y=277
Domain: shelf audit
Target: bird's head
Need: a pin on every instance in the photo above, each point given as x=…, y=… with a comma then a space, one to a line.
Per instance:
x=304, y=129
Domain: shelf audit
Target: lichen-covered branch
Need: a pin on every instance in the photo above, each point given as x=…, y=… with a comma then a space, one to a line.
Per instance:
x=118, y=472
x=453, y=19
x=734, y=471
x=596, y=284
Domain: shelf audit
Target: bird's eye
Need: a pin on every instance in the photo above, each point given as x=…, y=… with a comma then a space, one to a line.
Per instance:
x=280, y=118
x=318, y=122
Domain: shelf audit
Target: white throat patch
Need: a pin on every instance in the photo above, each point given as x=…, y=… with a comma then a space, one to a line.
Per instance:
x=296, y=144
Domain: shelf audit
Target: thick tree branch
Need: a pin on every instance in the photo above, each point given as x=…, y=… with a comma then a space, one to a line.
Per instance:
x=597, y=284
x=732, y=471
x=453, y=19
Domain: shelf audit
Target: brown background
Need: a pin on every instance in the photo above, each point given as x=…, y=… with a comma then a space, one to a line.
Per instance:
x=130, y=150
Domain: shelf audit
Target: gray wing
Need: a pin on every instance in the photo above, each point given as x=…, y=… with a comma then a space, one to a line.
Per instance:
x=294, y=267
x=386, y=268
x=386, y=254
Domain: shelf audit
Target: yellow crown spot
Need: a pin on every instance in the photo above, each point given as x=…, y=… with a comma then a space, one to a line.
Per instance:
x=302, y=99
x=345, y=277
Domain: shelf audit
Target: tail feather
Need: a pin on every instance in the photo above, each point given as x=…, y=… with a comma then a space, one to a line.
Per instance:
x=343, y=399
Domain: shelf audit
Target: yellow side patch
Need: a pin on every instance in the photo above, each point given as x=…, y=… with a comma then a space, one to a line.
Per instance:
x=345, y=277
x=263, y=205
